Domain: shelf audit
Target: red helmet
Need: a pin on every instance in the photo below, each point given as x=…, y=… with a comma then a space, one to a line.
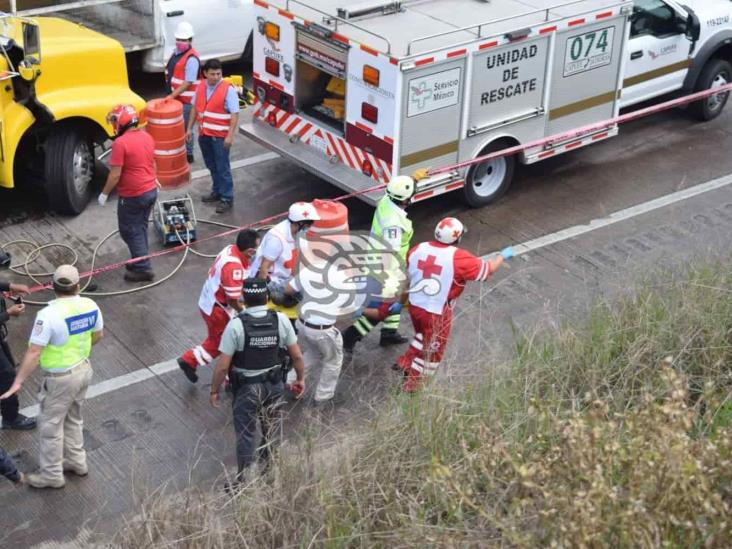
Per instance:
x=122, y=117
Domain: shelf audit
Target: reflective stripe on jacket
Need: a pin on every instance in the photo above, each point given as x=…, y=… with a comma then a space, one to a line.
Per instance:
x=80, y=317
x=178, y=75
x=388, y=215
x=213, y=120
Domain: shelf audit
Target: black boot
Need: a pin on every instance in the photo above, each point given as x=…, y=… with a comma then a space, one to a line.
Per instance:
x=20, y=423
x=392, y=337
x=188, y=371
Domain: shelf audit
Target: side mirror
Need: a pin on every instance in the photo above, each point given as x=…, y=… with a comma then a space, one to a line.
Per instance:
x=693, y=28
x=31, y=42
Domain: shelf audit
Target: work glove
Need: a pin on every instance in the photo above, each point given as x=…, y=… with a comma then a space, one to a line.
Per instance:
x=102, y=199
x=420, y=174
x=507, y=252
x=395, y=308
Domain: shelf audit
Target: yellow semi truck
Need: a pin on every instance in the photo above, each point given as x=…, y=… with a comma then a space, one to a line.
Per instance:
x=58, y=81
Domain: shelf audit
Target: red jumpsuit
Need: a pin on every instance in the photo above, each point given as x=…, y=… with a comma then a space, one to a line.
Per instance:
x=225, y=280
x=437, y=274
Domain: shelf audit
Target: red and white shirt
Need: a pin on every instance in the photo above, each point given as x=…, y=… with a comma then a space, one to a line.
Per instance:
x=225, y=279
x=438, y=274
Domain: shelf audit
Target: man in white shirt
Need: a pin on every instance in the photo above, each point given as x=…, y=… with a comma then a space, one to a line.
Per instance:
x=63, y=334
x=327, y=299
x=277, y=254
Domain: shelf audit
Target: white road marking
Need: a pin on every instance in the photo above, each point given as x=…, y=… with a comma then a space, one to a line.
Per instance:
x=243, y=163
x=161, y=368
x=116, y=383
x=621, y=215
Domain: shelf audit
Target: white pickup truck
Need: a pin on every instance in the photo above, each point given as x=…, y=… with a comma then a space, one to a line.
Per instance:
x=357, y=92
x=223, y=27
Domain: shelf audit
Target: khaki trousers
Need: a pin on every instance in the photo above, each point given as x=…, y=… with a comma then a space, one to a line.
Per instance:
x=324, y=349
x=60, y=423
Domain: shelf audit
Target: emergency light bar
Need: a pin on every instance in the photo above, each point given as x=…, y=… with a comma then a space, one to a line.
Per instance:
x=363, y=9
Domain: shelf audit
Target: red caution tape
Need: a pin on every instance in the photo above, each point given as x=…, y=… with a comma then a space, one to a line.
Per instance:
x=579, y=132
x=504, y=152
x=181, y=247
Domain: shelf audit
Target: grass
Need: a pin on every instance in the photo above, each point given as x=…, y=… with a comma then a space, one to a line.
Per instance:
x=610, y=432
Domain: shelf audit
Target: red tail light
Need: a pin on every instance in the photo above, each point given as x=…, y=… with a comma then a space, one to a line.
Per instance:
x=272, y=118
x=367, y=168
x=272, y=66
x=370, y=113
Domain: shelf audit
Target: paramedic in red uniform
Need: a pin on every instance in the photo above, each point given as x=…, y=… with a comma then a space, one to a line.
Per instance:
x=182, y=74
x=132, y=173
x=220, y=299
x=438, y=272
x=216, y=110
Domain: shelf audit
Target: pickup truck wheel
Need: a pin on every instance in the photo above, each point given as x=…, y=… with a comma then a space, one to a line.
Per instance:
x=716, y=73
x=69, y=169
x=488, y=181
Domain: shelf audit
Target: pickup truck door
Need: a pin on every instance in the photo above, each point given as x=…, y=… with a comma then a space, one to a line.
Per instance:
x=222, y=27
x=658, y=52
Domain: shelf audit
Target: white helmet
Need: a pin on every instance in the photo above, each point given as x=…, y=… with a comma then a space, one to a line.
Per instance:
x=400, y=188
x=184, y=31
x=449, y=230
x=302, y=211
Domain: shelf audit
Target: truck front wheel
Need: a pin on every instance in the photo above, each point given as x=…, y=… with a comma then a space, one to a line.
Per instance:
x=716, y=73
x=69, y=169
x=488, y=181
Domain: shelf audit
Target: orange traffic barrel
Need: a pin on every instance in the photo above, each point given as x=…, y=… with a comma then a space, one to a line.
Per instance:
x=333, y=217
x=165, y=124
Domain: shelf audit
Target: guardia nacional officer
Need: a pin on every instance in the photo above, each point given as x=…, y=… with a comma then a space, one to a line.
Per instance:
x=252, y=347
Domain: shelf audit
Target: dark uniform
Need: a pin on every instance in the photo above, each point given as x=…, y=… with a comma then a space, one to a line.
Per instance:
x=9, y=406
x=256, y=340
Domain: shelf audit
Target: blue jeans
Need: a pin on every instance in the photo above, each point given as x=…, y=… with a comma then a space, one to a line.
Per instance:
x=216, y=158
x=187, y=108
x=132, y=218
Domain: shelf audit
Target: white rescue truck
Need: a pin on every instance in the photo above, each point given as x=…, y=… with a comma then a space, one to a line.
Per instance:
x=222, y=27
x=356, y=93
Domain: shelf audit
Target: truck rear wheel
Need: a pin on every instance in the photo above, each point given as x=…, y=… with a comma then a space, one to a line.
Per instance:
x=69, y=169
x=716, y=73
x=488, y=181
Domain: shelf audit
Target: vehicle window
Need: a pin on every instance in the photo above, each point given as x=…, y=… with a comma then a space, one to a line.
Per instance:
x=653, y=17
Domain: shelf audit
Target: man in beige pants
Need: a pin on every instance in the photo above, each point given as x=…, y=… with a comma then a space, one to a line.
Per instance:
x=63, y=334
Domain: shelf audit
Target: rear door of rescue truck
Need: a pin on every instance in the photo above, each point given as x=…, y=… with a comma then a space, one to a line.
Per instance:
x=336, y=96
x=520, y=86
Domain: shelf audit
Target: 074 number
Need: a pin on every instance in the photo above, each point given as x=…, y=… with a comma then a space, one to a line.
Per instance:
x=583, y=45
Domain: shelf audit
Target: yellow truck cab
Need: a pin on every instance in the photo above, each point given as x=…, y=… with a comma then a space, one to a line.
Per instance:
x=58, y=81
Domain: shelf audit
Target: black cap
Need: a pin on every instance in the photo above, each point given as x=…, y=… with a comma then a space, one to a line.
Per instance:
x=255, y=286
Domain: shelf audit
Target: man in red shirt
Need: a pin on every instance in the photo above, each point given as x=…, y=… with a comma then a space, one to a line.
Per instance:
x=220, y=298
x=132, y=173
x=438, y=271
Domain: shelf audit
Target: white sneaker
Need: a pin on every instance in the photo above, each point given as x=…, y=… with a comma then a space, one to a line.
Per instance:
x=37, y=481
x=75, y=469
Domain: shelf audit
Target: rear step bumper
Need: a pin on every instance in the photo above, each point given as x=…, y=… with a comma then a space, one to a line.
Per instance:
x=313, y=161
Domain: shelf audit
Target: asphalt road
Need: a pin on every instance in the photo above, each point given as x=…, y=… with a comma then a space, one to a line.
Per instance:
x=161, y=434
